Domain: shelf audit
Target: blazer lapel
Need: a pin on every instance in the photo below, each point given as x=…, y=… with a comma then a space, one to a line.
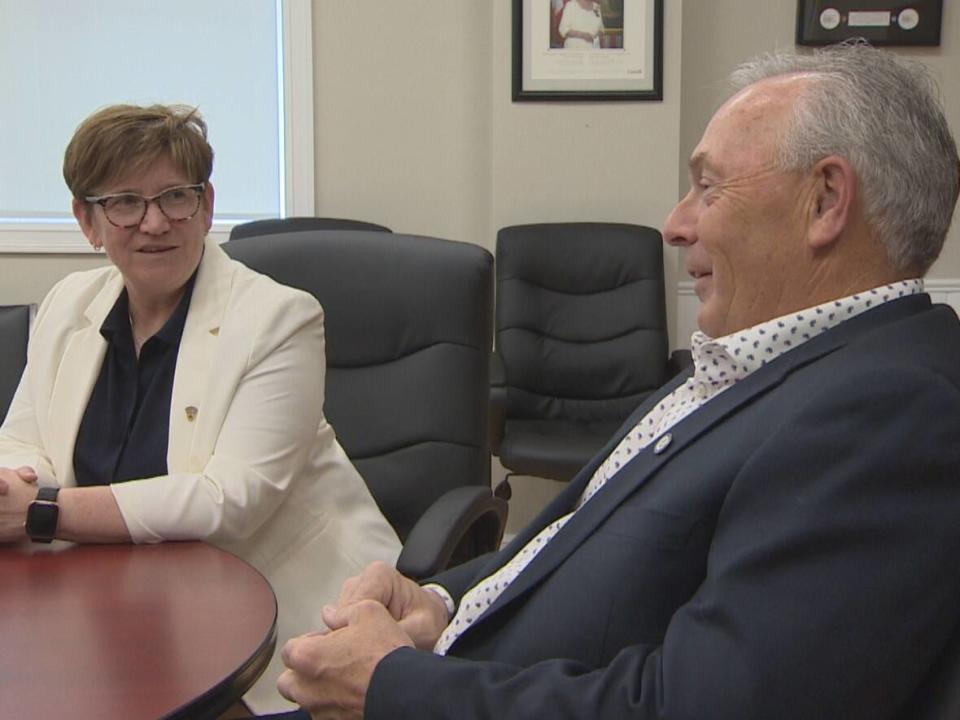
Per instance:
x=79, y=369
x=198, y=344
x=646, y=463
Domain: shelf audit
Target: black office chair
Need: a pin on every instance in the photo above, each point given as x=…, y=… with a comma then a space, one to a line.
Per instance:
x=14, y=332
x=581, y=340
x=408, y=336
x=274, y=226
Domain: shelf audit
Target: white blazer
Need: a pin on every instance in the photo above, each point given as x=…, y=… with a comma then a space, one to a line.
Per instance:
x=254, y=467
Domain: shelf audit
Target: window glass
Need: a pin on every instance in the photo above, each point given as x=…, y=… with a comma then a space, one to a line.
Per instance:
x=61, y=59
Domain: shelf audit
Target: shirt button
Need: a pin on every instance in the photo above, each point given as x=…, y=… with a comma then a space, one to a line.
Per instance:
x=701, y=391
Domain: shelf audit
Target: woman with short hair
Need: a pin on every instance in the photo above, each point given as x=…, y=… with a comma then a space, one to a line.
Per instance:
x=177, y=394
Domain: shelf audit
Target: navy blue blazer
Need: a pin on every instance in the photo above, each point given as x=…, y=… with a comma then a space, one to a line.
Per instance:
x=792, y=553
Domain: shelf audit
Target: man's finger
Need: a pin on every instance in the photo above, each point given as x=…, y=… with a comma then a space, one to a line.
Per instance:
x=333, y=617
x=362, y=611
x=287, y=685
x=374, y=583
x=295, y=650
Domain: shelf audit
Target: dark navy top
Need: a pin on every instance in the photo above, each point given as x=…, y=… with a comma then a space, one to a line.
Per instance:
x=124, y=431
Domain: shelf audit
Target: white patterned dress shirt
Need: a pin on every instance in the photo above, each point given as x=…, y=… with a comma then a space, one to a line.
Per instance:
x=718, y=365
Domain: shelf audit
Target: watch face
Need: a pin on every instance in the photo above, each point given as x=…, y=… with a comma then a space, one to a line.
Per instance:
x=42, y=519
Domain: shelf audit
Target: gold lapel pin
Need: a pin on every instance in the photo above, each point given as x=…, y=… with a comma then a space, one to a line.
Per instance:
x=191, y=413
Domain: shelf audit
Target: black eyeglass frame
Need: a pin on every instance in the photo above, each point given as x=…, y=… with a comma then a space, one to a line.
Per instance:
x=102, y=201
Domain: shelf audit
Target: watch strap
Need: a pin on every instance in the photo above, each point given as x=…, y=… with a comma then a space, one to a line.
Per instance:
x=48, y=494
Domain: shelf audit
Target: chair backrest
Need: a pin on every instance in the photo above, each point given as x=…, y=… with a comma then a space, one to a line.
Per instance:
x=408, y=339
x=274, y=226
x=14, y=333
x=581, y=319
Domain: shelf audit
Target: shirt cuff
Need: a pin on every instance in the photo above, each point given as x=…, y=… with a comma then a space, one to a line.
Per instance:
x=444, y=595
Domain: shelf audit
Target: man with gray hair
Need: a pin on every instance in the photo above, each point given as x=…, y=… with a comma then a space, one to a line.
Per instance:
x=773, y=536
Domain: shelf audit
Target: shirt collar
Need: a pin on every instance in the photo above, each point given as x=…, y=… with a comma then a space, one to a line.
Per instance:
x=749, y=349
x=117, y=322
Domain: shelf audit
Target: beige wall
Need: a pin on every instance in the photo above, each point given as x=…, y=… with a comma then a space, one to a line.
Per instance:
x=28, y=278
x=416, y=128
x=402, y=96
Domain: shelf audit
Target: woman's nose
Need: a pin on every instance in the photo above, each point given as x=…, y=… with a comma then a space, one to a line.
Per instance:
x=153, y=219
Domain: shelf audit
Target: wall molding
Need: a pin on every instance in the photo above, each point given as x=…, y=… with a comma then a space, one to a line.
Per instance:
x=44, y=239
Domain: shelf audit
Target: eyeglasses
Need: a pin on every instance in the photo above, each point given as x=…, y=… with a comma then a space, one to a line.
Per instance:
x=127, y=210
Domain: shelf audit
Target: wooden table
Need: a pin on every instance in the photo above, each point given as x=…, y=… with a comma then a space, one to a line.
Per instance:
x=178, y=630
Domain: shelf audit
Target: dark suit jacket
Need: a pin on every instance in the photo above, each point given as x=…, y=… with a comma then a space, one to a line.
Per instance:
x=792, y=553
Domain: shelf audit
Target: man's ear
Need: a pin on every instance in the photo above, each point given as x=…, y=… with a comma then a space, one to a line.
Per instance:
x=836, y=187
x=83, y=212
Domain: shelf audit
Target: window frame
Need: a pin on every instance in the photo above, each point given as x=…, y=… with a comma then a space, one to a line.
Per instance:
x=297, y=194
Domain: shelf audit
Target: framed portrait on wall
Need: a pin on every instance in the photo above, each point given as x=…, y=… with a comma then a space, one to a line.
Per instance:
x=587, y=50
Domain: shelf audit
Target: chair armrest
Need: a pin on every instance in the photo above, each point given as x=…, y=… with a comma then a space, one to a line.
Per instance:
x=461, y=524
x=498, y=402
x=679, y=361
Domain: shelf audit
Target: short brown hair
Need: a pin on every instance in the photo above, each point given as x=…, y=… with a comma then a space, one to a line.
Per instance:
x=119, y=140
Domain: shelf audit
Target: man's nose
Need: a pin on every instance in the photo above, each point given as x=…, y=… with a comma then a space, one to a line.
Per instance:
x=679, y=229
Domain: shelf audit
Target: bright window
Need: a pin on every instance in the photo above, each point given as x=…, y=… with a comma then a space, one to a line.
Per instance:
x=246, y=64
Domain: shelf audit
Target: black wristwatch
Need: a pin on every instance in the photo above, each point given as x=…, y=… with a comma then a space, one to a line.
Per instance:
x=42, y=515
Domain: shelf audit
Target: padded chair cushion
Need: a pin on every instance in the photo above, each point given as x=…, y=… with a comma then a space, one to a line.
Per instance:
x=581, y=319
x=553, y=448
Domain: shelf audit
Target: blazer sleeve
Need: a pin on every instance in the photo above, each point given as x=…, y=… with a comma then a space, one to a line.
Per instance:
x=830, y=587
x=273, y=421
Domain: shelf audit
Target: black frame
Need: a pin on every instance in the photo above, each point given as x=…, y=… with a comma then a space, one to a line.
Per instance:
x=927, y=33
x=653, y=94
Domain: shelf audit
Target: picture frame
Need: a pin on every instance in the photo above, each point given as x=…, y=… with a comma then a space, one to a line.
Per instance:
x=587, y=50
x=879, y=22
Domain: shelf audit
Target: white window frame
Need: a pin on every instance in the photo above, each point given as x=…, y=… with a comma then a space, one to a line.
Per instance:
x=298, y=162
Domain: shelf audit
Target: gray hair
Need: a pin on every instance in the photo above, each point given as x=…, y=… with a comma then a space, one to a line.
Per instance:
x=883, y=115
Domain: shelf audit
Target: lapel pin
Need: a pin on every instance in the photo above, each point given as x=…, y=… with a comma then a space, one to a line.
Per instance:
x=191, y=413
x=663, y=443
